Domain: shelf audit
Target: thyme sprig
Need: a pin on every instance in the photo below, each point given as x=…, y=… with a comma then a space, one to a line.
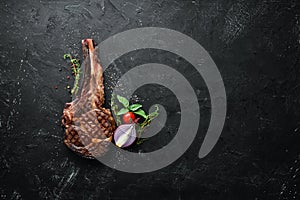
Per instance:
x=75, y=71
x=146, y=123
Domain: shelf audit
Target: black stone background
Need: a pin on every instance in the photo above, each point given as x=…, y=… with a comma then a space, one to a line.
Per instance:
x=255, y=45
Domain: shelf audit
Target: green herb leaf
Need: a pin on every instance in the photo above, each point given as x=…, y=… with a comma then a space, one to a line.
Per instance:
x=66, y=56
x=123, y=101
x=74, y=61
x=141, y=113
x=122, y=111
x=134, y=107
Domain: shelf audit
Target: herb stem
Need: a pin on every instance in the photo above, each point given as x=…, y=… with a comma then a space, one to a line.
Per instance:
x=76, y=71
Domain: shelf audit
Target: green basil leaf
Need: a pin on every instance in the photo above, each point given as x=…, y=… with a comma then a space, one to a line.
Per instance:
x=135, y=107
x=141, y=113
x=122, y=111
x=123, y=101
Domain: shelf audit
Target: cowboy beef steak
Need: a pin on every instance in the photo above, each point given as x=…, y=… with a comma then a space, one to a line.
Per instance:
x=88, y=125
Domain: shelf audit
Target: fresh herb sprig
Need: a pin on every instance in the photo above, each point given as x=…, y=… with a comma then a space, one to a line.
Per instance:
x=75, y=71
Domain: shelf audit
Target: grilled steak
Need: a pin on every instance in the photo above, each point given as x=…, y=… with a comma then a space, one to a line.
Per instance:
x=89, y=126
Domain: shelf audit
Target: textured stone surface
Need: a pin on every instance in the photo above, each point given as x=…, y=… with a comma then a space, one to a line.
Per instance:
x=255, y=44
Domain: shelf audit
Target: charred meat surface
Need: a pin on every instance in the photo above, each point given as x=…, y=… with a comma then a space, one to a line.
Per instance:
x=88, y=125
